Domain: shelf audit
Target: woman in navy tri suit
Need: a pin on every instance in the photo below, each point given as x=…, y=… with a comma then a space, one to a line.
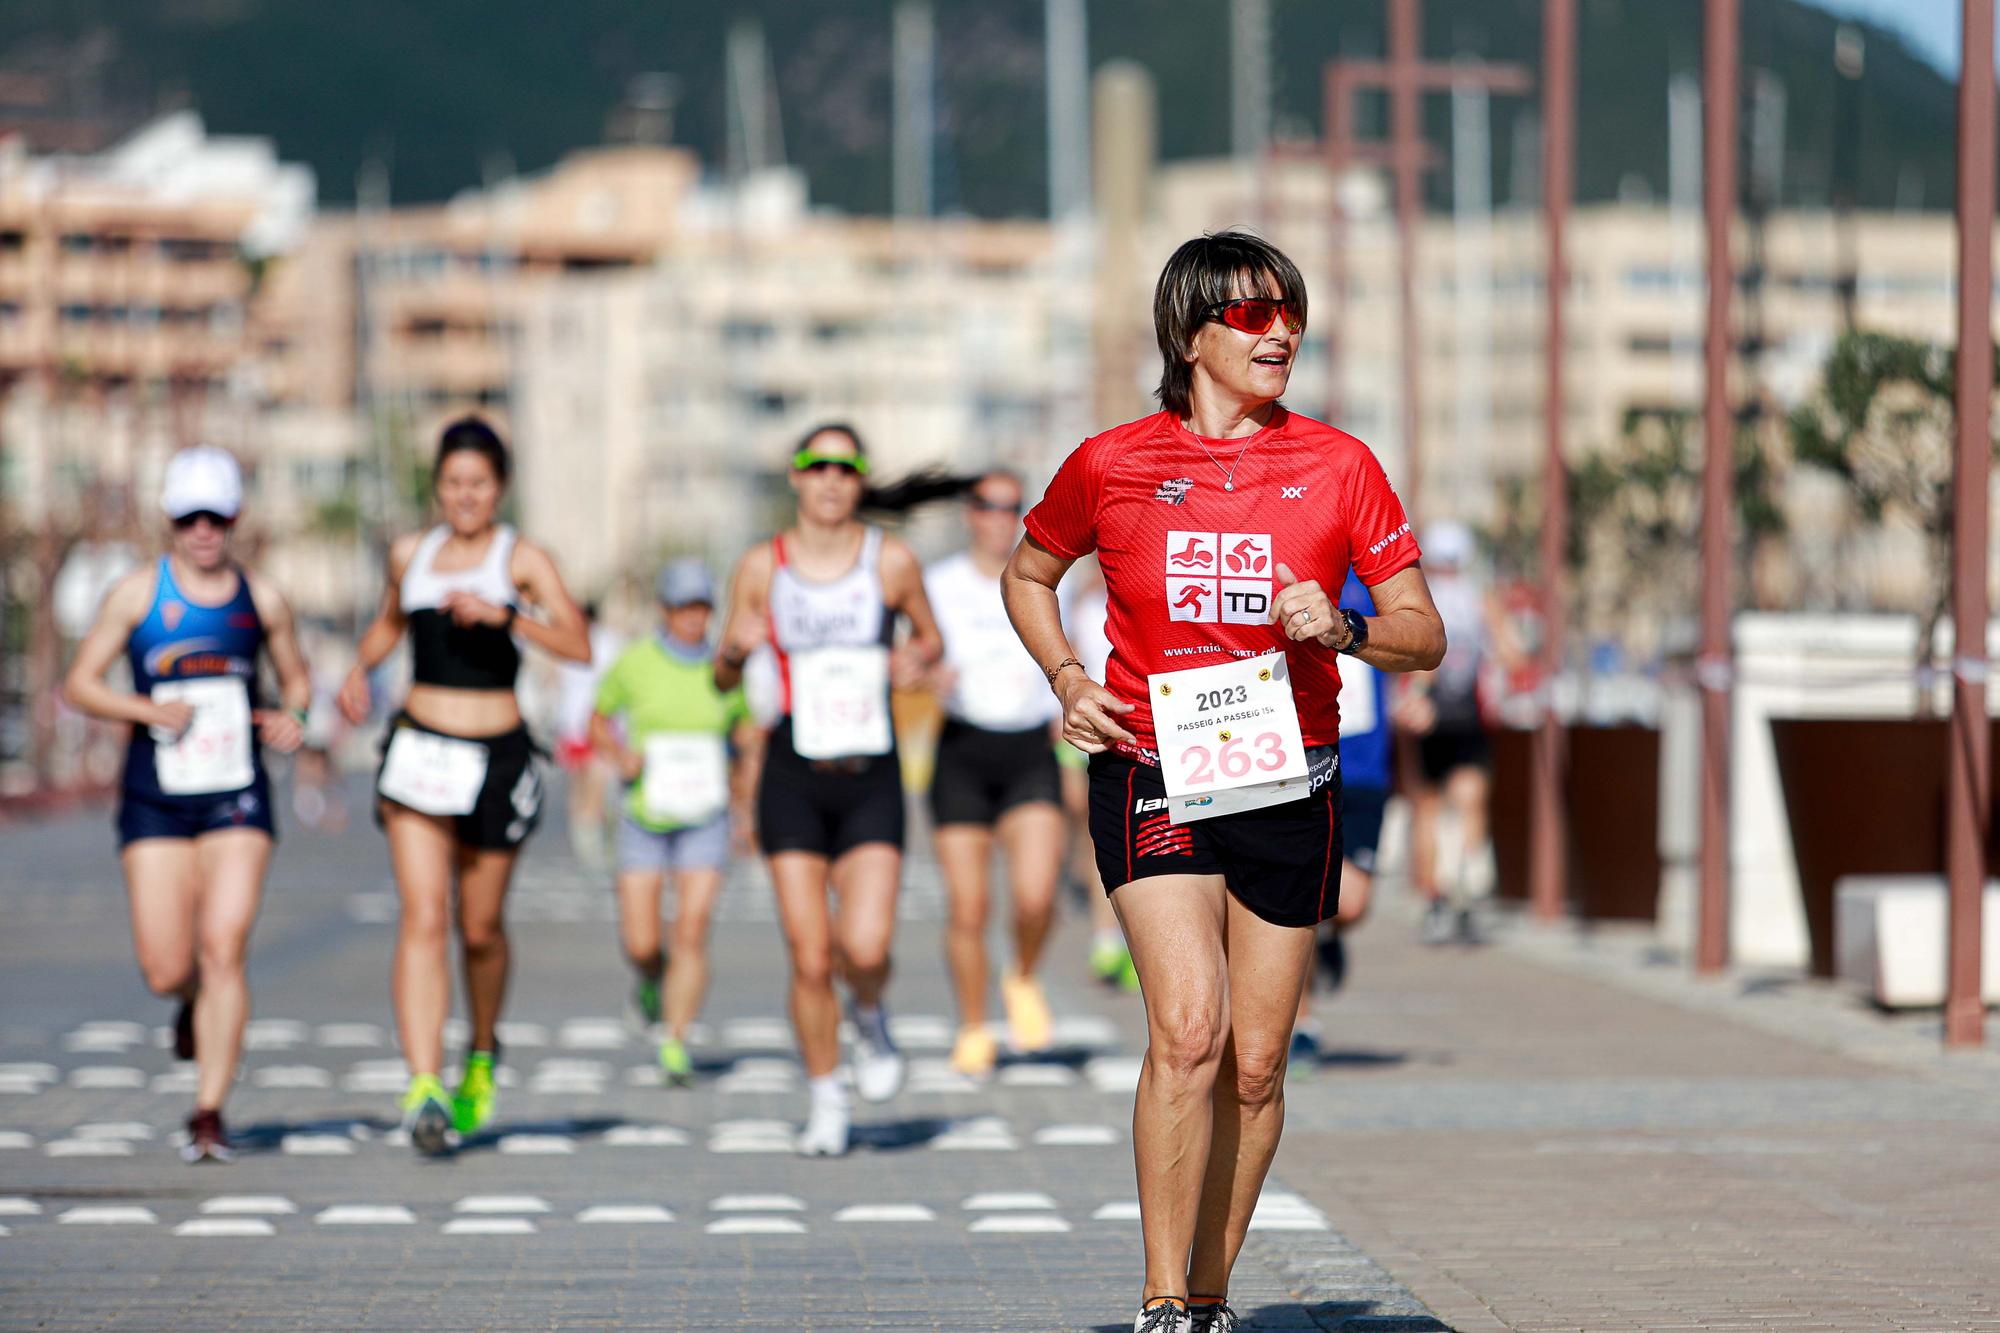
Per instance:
x=195, y=819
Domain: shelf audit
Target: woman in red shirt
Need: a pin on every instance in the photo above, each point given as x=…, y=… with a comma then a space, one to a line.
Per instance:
x=1225, y=524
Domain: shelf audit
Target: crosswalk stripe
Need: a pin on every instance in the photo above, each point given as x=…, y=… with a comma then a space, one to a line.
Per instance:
x=1120, y=1210
x=225, y=1226
x=756, y=1226
x=248, y=1205
x=490, y=1226
x=1009, y=1201
x=1021, y=1222
x=1075, y=1136
x=88, y=1148
x=365, y=1215
x=501, y=1203
x=108, y=1216
x=16, y=1206
x=537, y=1144
x=315, y=1145
x=885, y=1212
x=625, y=1213
x=756, y=1203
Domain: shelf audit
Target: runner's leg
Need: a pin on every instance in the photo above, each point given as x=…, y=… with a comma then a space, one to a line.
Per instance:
x=639, y=919
x=800, y=880
x=421, y=848
x=867, y=879
x=695, y=892
x=1267, y=970
x=965, y=854
x=231, y=878
x=1033, y=837
x=483, y=875
x=1175, y=926
x=160, y=883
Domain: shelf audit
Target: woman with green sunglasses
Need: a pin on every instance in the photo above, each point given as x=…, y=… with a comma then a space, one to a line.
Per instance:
x=826, y=595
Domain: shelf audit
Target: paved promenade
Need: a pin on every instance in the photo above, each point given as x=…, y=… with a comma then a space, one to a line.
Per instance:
x=1536, y=1135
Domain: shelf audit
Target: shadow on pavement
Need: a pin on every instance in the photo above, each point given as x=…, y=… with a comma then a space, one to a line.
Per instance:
x=1347, y=1316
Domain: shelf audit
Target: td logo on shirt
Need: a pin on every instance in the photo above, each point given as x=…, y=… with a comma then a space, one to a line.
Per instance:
x=1219, y=577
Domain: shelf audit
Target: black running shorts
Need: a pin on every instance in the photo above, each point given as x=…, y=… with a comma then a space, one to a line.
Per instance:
x=981, y=774
x=510, y=800
x=1282, y=862
x=1445, y=750
x=827, y=806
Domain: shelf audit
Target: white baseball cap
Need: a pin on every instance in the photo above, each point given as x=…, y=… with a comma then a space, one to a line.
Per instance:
x=202, y=479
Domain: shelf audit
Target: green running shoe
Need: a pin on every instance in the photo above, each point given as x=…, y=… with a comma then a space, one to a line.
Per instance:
x=1128, y=972
x=642, y=1011
x=472, y=1107
x=1106, y=958
x=427, y=1116
x=679, y=1066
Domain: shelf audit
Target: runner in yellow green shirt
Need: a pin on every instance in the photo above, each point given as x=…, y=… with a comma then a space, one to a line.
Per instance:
x=680, y=745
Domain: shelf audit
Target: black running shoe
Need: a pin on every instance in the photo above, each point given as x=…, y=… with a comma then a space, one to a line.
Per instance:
x=1332, y=960
x=207, y=1141
x=184, y=1031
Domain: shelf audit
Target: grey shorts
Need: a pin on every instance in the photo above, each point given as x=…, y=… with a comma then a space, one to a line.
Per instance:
x=700, y=847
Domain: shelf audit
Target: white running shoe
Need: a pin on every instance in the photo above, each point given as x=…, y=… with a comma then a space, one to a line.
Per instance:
x=878, y=1065
x=1166, y=1317
x=826, y=1131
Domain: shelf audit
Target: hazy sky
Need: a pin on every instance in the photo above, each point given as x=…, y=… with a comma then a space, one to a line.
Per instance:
x=1931, y=26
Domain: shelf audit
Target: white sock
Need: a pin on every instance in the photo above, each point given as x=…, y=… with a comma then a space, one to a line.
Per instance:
x=827, y=1088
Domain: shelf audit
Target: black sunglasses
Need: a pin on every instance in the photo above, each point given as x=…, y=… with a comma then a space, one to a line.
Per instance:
x=984, y=506
x=186, y=521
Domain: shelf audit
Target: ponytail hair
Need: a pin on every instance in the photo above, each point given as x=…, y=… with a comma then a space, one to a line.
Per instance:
x=896, y=497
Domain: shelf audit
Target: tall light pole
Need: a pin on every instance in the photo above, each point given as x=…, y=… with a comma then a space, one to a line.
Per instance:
x=1968, y=787
x=1714, y=666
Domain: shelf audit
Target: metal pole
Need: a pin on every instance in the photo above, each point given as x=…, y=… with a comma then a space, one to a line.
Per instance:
x=1548, y=826
x=1406, y=156
x=1336, y=237
x=1714, y=668
x=1969, y=781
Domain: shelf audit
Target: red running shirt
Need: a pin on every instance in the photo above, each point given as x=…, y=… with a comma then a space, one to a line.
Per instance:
x=1191, y=568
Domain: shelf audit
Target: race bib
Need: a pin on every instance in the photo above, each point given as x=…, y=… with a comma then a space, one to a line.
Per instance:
x=1229, y=737
x=432, y=774
x=1358, y=716
x=997, y=690
x=686, y=778
x=840, y=703
x=214, y=753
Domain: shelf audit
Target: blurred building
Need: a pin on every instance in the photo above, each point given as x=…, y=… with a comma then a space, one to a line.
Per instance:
x=684, y=385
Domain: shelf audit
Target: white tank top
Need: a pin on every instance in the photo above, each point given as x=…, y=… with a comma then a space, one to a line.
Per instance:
x=847, y=612
x=999, y=687
x=423, y=588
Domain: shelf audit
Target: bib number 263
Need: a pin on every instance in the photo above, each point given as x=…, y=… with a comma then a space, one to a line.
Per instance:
x=1233, y=759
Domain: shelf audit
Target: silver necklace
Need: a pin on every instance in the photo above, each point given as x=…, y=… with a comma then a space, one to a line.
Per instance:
x=1229, y=476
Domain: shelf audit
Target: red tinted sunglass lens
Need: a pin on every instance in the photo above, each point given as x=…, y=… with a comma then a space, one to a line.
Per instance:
x=1256, y=315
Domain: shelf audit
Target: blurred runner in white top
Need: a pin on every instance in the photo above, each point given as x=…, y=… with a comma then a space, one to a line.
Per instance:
x=589, y=777
x=1085, y=608
x=996, y=776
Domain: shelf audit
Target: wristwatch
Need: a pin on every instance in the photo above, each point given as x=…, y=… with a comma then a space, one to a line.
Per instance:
x=1357, y=630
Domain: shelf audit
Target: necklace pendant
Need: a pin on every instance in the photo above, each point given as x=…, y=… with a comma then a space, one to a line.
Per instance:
x=1228, y=485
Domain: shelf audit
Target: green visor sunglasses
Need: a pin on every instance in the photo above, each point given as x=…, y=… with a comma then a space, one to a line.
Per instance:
x=805, y=460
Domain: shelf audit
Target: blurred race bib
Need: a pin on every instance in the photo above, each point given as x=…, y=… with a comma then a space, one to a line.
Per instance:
x=686, y=778
x=1229, y=737
x=840, y=703
x=214, y=753
x=433, y=774
x=1358, y=715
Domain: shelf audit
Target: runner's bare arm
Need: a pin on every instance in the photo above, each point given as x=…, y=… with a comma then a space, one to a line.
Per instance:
x=1028, y=587
x=1406, y=632
x=383, y=632
x=282, y=729
x=745, y=628
x=604, y=739
x=124, y=607
x=903, y=587
x=565, y=633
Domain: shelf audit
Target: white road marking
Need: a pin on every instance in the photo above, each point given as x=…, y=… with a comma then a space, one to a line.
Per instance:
x=1026, y=1222
x=646, y=1076
x=14, y=1205
x=1004, y=1201
x=885, y=1212
x=592, y=1034
x=1284, y=1211
x=625, y=1213
x=1084, y=1030
x=14, y=1138
x=349, y=1035
x=645, y=1136
x=114, y=1129
x=274, y=1034
x=538, y=1144
x=176, y=1082
x=981, y=1134
x=1119, y=1210
x=98, y=1043
x=489, y=1226
x=921, y=1032
x=366, y=1215
x=501, y=1203
x=32, y=1071
x=17, y=1086
x=316, y=1145
x=757, y=1034
x=1037, y=1076
x=756, y=1203
x=108, y=1216
x=107, y=1076
x=291, y=1076
x=1113, y=1073
x=521, y=1034
x=376, y=1076
x=756, y=1226
x=132, y=1034
x=248, y=1205
x=1075, y=1136
x=225, y=1226
x=88, y=1148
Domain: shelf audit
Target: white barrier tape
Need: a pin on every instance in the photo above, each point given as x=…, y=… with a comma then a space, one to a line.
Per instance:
x=1972, y=670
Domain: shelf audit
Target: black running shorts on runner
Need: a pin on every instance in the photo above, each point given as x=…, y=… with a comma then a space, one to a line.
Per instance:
x=826, y=806
x=1282, y=862
x=981, y=774
x=1447, y=749
x=510, y=801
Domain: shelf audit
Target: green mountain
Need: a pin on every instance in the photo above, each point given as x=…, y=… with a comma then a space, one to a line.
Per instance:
x=448, y=91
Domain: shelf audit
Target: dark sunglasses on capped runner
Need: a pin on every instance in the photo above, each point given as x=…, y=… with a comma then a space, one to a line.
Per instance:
x=209, y=516
x=980, y=505
x=1256, y=314
x=805, y=460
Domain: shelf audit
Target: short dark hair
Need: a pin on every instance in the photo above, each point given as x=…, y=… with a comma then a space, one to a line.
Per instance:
x=1203, y=273
x=470, y=433
x=833, y=428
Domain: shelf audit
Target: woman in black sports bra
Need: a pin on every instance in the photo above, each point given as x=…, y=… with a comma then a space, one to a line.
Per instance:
x=459, y=786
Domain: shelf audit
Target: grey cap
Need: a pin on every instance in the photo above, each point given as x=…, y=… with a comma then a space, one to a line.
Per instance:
x=684, y=582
